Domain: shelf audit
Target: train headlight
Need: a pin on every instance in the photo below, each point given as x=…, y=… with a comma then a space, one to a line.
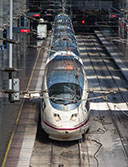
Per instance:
x=57, y=117
x=74, y=117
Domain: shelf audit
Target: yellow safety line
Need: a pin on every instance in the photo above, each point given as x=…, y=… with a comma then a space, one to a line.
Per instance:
x=18, y=117
x=33, y=70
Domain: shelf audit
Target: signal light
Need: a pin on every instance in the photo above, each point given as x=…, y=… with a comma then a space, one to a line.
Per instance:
x=83, y=21
x=113, y=15
x=123, y=24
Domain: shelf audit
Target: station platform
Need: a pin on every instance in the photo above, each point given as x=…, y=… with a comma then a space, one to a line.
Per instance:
x=22, y=140
x=114, y=52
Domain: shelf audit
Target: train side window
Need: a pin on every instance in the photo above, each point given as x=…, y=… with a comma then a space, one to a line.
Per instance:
x=87, y=105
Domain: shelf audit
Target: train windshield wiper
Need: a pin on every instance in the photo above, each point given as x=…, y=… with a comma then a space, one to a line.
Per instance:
x=64, y=98
x=75, y=96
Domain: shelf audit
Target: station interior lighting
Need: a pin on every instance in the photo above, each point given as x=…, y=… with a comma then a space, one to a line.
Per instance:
x=25, y=30
x=113, y=15
x=36, y=15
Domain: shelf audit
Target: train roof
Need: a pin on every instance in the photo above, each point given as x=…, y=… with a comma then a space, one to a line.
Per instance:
x=69, y=37
x=61, y=22
x=63, y=26
x=62, y=16
x=67, y=53
x=64, y=41
x=65, y=45
x=62, y=31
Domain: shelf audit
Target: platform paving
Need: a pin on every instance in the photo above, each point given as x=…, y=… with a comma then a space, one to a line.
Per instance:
x=23, y=136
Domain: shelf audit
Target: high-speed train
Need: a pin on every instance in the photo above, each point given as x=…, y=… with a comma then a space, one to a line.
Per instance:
x=64, y=108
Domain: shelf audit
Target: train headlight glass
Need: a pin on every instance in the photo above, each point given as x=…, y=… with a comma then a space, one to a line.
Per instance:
x=74, y=117
x=57, y=117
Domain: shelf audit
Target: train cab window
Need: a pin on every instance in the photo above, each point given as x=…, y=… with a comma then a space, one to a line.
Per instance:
x=65, y=93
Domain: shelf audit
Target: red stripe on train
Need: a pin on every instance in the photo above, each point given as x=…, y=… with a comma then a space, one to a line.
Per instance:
x=67, y=128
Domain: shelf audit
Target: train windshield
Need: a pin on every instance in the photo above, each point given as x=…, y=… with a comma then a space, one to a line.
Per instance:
x=65, y=93
x=65, y=80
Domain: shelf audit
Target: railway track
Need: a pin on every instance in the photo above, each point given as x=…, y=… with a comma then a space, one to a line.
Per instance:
x=106, y=142
x=65, y=154
x=101, y=69
x=50, y=153
x=123, y=98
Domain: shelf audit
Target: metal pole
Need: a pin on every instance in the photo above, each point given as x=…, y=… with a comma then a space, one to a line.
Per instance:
x=127, y=33
x=63, y=6
x=10, y=33
x=10, y=46
x=119, y=27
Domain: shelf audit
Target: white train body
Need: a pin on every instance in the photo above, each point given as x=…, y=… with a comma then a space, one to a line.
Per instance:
x=64, y=108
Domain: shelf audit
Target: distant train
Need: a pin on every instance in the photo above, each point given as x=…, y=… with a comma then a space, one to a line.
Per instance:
x=64, y=108
x=41, y=29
